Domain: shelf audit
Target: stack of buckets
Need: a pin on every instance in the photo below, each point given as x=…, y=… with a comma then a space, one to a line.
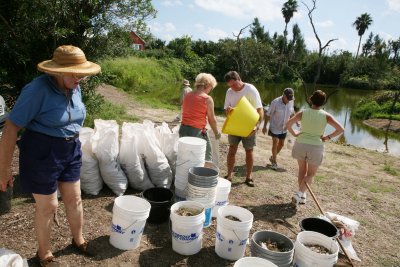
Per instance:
x=191, y=153
x=202, y=188
x=129, y=218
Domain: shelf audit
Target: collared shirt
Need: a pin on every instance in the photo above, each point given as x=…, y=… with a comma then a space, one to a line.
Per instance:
x=279, y=114
x=42, y=107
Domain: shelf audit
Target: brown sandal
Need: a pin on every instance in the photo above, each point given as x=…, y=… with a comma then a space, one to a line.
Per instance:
x=47, y=262
x=83, y=248
x=249, y=182
x=226, y=177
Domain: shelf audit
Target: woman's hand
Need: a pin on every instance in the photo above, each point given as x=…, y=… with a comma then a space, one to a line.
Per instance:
x=5, y=180
x=325, y=138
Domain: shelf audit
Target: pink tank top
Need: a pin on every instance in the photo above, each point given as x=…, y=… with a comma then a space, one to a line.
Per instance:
x=195, y=110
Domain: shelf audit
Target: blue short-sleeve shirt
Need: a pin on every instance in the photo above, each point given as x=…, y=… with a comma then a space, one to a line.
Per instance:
x=42, y=107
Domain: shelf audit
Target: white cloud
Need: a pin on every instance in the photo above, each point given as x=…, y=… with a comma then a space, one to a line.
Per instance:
x=386, y=36
x=394, y=5
x=244, y=9
x=166, y=27
x=171, y=3
x=216, y=34
x=199, y=27
x=325, y=24
x=169, y=27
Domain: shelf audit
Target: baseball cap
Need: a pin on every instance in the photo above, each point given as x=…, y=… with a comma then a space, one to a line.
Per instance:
x=289, y=93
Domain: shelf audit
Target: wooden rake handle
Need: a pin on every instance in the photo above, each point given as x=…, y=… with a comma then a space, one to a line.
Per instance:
x=323, y=213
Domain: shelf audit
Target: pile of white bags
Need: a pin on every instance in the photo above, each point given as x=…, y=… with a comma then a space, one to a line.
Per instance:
x=144, y=157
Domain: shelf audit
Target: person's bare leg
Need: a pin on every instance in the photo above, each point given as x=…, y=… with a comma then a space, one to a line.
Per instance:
x=311, y=172
x=45, y=208
x=230, y=161
x=71, y=196
x=280, y=144
x=302, y=173
x=249, y=163
x=274, y=149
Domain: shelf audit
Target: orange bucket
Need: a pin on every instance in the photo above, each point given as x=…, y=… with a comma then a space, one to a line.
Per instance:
x=242, y=119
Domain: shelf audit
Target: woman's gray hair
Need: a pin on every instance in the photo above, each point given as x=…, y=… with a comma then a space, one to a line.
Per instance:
x=204, y=80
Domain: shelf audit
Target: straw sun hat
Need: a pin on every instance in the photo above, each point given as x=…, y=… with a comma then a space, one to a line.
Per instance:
x=68, y=59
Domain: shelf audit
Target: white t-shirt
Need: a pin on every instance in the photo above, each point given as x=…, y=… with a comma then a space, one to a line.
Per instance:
x=251, y=93
x=279, y=113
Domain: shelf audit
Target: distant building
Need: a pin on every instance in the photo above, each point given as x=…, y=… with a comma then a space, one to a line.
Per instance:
x=138, y=43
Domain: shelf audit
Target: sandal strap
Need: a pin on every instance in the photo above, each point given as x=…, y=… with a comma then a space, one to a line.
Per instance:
x=49, y=261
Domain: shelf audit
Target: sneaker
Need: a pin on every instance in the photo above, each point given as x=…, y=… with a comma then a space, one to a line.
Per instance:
x=274, y=166
x=296, y=199
x=303, y=199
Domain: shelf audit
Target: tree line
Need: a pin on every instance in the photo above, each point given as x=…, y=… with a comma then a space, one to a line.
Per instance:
x=31, y=29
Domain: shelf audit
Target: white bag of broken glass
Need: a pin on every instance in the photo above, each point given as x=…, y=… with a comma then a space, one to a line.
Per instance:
x=140, y=161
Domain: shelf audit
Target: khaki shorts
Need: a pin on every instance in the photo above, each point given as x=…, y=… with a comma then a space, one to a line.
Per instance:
x=312, y=154
x=248, y=142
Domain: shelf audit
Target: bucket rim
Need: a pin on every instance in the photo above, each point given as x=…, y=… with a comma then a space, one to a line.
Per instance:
x=277, y=233
x=321, y=220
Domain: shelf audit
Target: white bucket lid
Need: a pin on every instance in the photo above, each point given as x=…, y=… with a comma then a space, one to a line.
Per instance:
x=192, y=141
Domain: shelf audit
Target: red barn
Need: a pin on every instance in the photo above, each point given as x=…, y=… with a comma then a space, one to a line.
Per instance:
x=138, y=43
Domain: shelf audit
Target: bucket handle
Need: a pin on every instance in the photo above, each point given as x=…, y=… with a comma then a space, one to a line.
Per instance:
x=124, y=229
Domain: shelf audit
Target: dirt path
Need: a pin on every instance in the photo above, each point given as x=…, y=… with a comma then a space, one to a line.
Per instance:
x=358, y=183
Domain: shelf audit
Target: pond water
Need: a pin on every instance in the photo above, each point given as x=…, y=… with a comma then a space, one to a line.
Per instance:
x=340, y=105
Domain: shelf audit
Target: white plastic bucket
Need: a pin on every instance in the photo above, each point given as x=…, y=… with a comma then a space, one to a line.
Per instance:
x=305, y=257
x=253, y=262
x=129, y=218
x=191, y=153
x=187, y=231
x=231, y=236
x=222, y=195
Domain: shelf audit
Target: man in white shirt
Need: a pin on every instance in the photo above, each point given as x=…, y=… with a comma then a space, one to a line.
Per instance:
x=235, y=92
x=278, y=113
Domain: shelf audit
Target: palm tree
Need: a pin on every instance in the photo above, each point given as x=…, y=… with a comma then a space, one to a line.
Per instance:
x=288, y=10
x=362, y=23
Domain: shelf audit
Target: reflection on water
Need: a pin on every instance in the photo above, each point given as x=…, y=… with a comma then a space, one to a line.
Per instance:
x=339, y=105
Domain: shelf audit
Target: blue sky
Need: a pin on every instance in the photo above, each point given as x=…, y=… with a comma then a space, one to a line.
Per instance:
x=211, y=20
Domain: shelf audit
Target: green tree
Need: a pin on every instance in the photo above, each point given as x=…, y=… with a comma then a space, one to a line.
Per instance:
x=32, y=29
x=394, y=46
x=288, y=10
x=362, y=23
x=258, y=33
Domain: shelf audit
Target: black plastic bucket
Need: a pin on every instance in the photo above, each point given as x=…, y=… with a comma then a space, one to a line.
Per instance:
x=161, y=200
x=5, y=200
x=319, y=225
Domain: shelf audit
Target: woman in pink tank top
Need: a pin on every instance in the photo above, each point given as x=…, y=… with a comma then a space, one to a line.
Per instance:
x=198, y=109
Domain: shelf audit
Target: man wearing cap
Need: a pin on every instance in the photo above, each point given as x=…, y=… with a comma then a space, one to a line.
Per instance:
x=185, y=90
x=278, y=114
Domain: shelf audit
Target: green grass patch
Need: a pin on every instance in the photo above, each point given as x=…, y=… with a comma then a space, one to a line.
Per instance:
x=157, y=83
x=109, y=111
x=320, y=178
x=390, y=170
x=379, y=188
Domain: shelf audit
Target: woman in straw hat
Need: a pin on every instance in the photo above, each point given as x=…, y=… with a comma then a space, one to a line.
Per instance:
x=51, y=111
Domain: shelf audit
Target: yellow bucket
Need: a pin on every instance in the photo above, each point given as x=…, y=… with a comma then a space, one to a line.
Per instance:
x=242, y=119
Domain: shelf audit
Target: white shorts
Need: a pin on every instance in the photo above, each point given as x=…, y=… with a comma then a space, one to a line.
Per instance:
x=313, y=154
